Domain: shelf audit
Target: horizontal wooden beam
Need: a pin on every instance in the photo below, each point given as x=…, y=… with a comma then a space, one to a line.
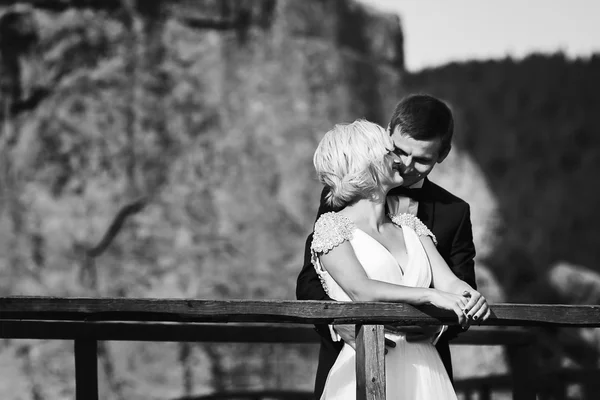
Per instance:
x=216, y=333
x=254, y=395
x=498, y=382
x=62, y=5
x=494, y=336
x=304, y=312
x=544, y=379
x=158, y=332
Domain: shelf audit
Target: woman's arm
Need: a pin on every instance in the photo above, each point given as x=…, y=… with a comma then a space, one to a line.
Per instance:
x=443, y=277
x=343, y=265
x=445, y=280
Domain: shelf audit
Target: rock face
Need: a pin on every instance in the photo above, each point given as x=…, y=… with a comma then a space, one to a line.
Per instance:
x=210, y=112
x=575, y=284
x=461, y=174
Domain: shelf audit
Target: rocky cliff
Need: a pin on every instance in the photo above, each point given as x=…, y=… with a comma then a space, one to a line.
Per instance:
x=164, y=149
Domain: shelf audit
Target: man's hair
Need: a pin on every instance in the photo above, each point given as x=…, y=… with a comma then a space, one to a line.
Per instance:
x=350, y=161
x=423, y=117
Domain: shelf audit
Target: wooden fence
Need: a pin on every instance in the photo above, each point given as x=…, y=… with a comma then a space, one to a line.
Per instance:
x=87, y=320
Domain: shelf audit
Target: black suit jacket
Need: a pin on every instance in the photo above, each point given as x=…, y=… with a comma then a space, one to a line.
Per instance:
x=449, y=218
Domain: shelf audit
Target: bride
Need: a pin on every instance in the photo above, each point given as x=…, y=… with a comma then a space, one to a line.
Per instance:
x=367, y=252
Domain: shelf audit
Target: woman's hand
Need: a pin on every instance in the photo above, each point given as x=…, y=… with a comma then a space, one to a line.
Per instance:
x=451, y=302
x=477, y=308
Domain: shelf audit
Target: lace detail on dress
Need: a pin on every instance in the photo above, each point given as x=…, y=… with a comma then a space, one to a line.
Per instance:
x=331, y=230
x=414, y=223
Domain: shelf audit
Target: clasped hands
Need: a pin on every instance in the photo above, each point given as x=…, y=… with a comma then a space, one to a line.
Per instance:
x=476, y=310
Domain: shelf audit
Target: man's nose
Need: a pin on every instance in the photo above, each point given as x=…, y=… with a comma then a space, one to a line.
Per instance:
x=406, y=160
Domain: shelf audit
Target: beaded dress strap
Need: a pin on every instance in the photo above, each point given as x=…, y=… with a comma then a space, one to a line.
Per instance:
x=414, y=223
x=331, y=230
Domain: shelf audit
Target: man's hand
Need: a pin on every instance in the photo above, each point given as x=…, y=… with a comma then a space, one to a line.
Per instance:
x=347, y=333
x=416, y=333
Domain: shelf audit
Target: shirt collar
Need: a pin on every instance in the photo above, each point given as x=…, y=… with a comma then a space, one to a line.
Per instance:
x=417, y=185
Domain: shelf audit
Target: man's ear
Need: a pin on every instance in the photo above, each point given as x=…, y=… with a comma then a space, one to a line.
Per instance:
x=444, y=154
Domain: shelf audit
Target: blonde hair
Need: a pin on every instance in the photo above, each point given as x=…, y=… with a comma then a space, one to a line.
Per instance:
x=350, y=161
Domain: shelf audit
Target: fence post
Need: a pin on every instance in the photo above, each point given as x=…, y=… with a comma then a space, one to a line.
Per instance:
x=370, y=362
x=86, y=369
x=485, y=393
x=524, y=377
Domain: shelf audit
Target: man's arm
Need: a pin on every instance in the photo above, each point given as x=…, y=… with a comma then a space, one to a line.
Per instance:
x=308, y=284
x=462, y=254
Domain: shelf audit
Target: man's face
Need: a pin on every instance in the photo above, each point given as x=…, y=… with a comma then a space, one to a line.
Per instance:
x=418, y=156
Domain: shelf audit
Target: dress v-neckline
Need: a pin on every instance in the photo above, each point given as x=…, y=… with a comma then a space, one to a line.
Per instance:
x=386, y=249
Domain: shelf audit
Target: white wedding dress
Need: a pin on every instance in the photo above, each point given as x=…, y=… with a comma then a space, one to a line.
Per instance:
x=414, y=371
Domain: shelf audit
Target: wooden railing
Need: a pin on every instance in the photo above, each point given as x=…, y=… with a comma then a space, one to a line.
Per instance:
x=87, y=320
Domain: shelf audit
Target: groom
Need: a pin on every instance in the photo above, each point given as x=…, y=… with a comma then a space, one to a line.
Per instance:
x=421, y=128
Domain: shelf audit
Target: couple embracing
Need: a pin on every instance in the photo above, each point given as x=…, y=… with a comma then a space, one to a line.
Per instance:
x=384, y=232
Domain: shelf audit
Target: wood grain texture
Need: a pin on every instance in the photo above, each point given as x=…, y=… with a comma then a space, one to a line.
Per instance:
x=217, y=333
x=370, y=362
x=305, y=312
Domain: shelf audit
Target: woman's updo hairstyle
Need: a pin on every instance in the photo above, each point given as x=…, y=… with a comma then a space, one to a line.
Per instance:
x=350, y=161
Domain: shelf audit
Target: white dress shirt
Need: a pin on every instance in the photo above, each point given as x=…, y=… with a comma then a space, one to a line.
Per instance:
x=405, y=204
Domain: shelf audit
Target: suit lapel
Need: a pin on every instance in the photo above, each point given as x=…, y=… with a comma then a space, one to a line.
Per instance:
x=426, y=210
